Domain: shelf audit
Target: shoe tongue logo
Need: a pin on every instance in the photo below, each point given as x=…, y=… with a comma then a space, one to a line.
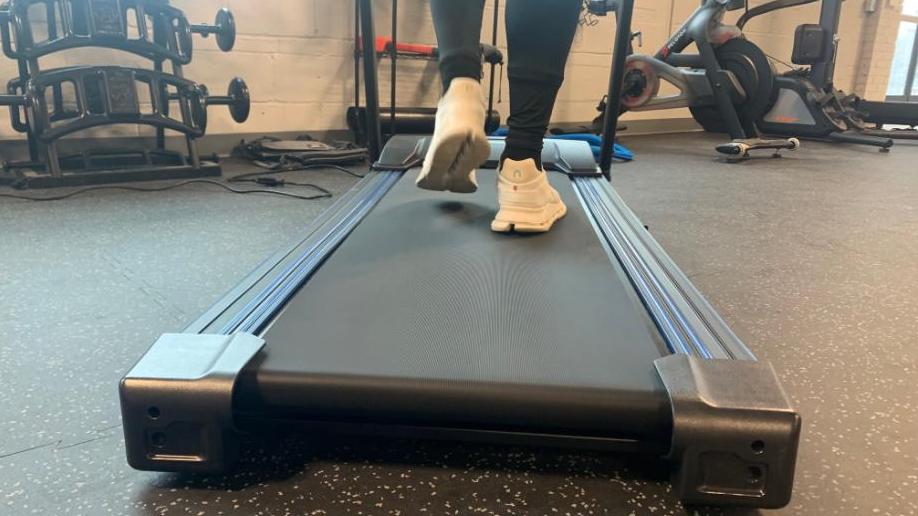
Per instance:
x=517, y=174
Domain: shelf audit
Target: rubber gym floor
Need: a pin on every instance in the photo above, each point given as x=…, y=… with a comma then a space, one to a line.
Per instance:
x=810, y=258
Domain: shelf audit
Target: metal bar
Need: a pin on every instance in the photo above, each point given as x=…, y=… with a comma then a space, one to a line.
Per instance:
x=493, y=66
x=393, y=51
x=682, y=37
x=193, y=152
x=766, y=8
x=616, y=82
x=24, y=76
x=356, y=54
x=53, y=160
x=822, y=74
x=56, y=90
x=371, y=80
x=721, y=93
x=161, y=91
x=686, y=320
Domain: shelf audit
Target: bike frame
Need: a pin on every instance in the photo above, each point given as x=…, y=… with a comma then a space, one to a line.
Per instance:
x=714, y=85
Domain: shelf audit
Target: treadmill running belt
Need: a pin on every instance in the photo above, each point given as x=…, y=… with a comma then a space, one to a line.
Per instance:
x=424, y=316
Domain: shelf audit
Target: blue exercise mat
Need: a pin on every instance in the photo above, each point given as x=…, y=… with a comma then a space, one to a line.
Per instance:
x=620, y=152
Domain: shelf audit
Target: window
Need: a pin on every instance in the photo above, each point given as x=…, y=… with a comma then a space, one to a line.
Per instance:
x=910, y=7
x=902, y=59
x=903, y=85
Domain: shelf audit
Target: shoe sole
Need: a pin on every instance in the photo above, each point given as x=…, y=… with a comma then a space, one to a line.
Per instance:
x=507, y=226
x=453, y=162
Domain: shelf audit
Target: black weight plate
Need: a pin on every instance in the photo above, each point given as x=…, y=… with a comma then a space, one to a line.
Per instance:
x=183, y=37
x=199, y=108
x=241, y=103
x=226, y=29
x=754, y=72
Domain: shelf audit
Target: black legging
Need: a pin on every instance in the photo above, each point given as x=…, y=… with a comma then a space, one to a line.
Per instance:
x=539, y=37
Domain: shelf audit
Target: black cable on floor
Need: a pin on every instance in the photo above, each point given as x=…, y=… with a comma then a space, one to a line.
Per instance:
x=323, y=195
x=282, y=167
x=274, y=182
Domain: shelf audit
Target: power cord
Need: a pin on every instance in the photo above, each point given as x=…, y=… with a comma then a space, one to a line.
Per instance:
x=275, y=182
x=785, y=63
x=289, y=167
x=324, y=194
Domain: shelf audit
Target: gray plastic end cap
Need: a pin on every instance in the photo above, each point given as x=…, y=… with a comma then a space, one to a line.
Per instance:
x=735, y=434
x=177, y=402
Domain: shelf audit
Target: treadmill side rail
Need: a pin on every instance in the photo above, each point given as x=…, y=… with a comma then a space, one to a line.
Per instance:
x=685, y=318
x=176, y=403
x=735, y=434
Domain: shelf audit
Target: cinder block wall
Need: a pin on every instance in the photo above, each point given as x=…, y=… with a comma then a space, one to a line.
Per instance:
x=297, y=58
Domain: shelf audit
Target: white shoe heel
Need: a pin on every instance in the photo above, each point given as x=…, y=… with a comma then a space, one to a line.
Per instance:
x=459, y=144
x=528, y=203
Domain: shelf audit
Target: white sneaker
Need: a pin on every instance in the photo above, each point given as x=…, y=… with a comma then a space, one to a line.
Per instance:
x=528, y=203
x=459, y=143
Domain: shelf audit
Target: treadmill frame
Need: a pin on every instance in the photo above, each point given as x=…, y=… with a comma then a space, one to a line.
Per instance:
x=733, y=437
x=734, y=434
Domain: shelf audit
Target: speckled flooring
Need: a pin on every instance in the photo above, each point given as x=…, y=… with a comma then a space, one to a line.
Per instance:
x=811, y=259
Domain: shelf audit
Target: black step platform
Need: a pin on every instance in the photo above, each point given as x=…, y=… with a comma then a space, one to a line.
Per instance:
x=401, y=312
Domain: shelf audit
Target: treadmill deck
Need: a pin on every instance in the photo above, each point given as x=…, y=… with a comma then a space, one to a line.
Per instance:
x=424, y=316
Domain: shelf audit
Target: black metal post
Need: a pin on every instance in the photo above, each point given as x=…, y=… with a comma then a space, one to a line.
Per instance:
x=823, y=73
x=160, y=132
x=24, y=76
x=493, y=66
x=357, y=55
x=735, y=127
x=370, y=79
x=616, y=82
x=394, y=54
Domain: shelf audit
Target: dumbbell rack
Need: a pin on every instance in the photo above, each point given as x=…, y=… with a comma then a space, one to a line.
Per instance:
x=108, y=95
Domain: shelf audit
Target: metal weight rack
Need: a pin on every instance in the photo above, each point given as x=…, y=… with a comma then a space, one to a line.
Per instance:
x=400, y=120
x=47, y=105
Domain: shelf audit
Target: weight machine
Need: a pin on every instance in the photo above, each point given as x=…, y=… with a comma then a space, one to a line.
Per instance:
x=725, y=85
x=48, y=105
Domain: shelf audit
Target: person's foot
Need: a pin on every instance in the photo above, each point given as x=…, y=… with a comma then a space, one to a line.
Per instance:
x=459, y=144
x=528, y=203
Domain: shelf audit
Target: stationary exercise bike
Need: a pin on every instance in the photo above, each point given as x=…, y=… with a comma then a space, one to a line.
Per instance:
x=807, y=103
x=727, y=85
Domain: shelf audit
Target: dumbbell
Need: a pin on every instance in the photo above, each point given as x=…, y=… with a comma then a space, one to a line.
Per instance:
x=28, y=101
x=237, y=98
x=224, y=27
x=15, y=100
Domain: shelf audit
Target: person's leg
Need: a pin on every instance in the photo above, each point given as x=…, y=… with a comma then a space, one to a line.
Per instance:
x=539, y=37
x=458, y=28
x=459, y=144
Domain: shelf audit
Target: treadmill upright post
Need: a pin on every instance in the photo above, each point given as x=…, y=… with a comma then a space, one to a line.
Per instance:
x=371, y=80
x=616, y=81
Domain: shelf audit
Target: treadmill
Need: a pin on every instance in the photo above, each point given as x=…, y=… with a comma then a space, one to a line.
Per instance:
x=399, y=312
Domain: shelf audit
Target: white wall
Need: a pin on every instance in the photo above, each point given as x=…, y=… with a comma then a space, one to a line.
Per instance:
x=296, y=56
